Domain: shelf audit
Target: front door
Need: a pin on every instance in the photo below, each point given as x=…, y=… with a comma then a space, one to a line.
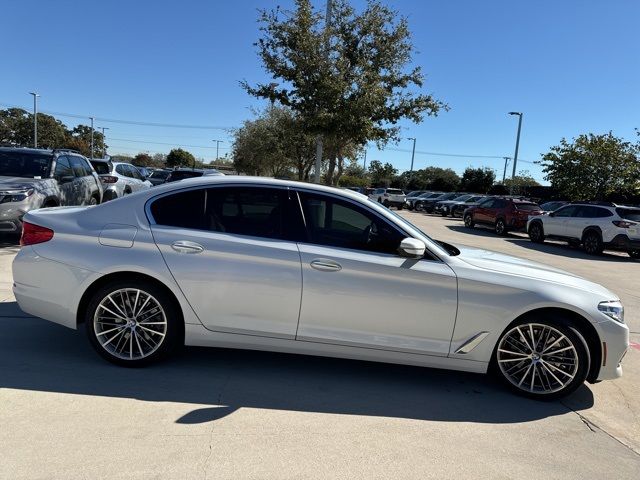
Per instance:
x=556, y=223
x=66, y=179
x=358, y=291
x=227, y=249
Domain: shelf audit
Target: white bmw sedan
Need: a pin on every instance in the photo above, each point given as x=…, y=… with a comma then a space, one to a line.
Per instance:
x=274, y=265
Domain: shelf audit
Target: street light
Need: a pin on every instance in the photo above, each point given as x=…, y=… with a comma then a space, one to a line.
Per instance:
x=91, y=137
x=413, y=152
x=218, y=142
x=515, y=156
x=504, y=174
x=35, y=118
x=104, y=145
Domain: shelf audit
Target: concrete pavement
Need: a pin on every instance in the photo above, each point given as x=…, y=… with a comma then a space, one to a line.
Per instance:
x=212, y=413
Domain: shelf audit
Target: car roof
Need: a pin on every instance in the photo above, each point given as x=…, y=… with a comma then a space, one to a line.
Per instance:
x=27, y=150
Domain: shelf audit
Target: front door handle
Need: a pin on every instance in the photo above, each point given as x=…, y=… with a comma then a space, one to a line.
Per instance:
x=183, y=246
x=325, y=265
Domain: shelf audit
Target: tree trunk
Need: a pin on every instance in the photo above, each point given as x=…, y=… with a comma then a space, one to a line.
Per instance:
x=340, y=168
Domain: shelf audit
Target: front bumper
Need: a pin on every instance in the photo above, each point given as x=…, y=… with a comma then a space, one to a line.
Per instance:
x=615, y=343
x=11, y=215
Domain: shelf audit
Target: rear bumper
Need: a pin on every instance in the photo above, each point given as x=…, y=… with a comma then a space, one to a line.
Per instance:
x=48, y=289
x=623, y=242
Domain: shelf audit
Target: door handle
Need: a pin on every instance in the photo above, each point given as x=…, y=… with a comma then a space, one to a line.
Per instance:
x=325, y=265
x=183, y=246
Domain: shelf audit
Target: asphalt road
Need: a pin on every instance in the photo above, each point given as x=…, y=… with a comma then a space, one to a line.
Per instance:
x=210, y=413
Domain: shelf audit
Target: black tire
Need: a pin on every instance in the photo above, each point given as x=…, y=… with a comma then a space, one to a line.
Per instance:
x=592, y=242
x=93, y=201
x=173, y=329
x=500, y=227
x=444, y=213
x=386, y=203
x=468, y=221
x=569, y=368
x=536, y=232
x=400, y=207
x=634, y=254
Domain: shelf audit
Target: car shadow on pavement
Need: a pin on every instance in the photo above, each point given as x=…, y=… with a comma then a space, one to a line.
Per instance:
x=40, y=356
x=565, y=250
x=480, y=231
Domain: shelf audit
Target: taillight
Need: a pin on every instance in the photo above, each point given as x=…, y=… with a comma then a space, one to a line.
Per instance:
x=32, y=234
x=623, y=223
x=108, y=179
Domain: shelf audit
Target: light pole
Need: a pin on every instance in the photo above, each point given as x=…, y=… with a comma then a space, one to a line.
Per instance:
x=35, y=118
x=218, y=142
x=104, y=145
x=515, y=156
x=413, y=153
x=91, y=137
x=364, y=165
x=504, y=174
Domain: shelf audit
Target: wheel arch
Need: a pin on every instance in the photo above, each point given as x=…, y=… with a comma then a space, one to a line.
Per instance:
x=537, y=221
x=51, y=200
x=591, y=228
x=573, y=319
x=123, y=275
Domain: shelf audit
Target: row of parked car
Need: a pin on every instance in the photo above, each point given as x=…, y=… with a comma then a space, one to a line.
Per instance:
x=595, y=226
x=32, y=178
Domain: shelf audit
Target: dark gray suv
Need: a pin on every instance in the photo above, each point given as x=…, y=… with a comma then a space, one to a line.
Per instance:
x=35, y=178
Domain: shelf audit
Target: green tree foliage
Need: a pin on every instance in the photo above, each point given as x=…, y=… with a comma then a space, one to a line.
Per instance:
x=354, y=91
x=518, y=185
x=180, y=158
x=381, y=175
x=16, y=128
x=592, y=167
x=80, y=139
x=477, y=180
x=430, y=178
x=143, y=160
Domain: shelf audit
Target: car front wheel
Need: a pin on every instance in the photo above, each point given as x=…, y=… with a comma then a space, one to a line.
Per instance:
x=133, y=323
x=468, y=221
x=635, y=254
x=500, y=227
x=535, y=233
x=592, y=242
x=542, y=359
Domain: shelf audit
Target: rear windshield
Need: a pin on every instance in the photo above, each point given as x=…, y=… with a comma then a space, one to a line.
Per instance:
x=629, y=213
x=162, y=174
x=394, y=191
x=102, y=168
x=527, y=207
x=24, y=164
x=185, y=174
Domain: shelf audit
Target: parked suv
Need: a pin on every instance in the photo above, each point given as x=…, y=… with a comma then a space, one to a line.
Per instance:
x=443, y=207
x=458, y=207
x=595, y=226
x=502, y=213
x=428, y=204
x=159, y=176
x=32, y=178
x=119, y=178
x=389, y=197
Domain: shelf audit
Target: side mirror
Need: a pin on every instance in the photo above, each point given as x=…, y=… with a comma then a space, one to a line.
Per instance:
x=412, y=248
x=67, y=179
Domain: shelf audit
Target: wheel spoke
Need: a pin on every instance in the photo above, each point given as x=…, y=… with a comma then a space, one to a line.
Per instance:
x=514, y=353
x=151, y=331
x=112, y=312
x=570, y=347
x=104, y=332
x=124, y=315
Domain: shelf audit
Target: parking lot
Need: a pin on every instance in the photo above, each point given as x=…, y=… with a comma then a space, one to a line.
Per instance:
x=235, y=414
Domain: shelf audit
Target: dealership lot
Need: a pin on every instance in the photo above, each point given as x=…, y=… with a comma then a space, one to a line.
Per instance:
x=234, y=414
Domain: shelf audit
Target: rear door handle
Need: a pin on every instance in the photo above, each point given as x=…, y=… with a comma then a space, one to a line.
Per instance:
x=325, y=265
x=184, y=246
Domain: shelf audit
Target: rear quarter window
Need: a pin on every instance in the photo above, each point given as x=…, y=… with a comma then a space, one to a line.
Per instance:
x=527, y=207
x=632, y=214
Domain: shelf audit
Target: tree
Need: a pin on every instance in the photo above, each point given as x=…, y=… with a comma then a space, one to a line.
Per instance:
x=518, y=185
x=16, y=128
x=381, y=175
x=351, y=83
x=80, y=139
x=180, y=158
x=143, y=160
x=592, y=167
x=477, y=180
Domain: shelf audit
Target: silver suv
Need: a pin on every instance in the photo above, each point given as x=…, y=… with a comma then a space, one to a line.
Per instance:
x=594, y=225
x=119, y=178
x=32, y=178
x=389, y=197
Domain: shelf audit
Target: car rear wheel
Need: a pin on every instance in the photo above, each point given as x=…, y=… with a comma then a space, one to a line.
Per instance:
x=536, y=234
x=133, y=323
x=93, y=201
x=543, y=359
x=592, y=242
x=634, y=254
x=500, y=227
x=468, y=221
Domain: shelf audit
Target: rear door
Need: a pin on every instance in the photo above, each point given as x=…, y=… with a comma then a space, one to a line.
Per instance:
x=481, y=213
x=136, y=178
x=63, y=173
x=357, y=290
x=229, y=250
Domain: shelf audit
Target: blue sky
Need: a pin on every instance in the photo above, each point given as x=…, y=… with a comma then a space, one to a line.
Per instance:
x=571, y=66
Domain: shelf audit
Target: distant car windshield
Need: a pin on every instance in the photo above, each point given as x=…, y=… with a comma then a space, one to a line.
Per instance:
x=629, y=213
x=25, y=164
x=102, y=168
x=461, y=198
x=182, y=174
x=161, y=174
x=527, y=207
x=394, y=191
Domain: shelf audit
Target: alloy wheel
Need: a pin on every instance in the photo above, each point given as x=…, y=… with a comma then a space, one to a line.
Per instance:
x=468, y=221
x=537, y=358
x=592, y=243
x=130, y=324
x=500, y=228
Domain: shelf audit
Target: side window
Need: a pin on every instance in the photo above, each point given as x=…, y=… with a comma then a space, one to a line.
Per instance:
x=336, y=223
x=121, y=169
x=135, y=173
x=77, y=167
x=486, y=203
x=569, y=211
x=63, y=168
x=87, y=167
x=252, y=211
x=182, y=209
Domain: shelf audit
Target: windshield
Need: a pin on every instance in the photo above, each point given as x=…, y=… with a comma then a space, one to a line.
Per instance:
x=629, y=213
x=527, y=207
x=162, y=174
x=462, y=198
x=185, y=174
x=102, y=168
x=394, y=191
x=25, y=164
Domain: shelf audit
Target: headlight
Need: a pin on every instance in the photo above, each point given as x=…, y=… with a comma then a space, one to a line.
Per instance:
x=613, y=309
